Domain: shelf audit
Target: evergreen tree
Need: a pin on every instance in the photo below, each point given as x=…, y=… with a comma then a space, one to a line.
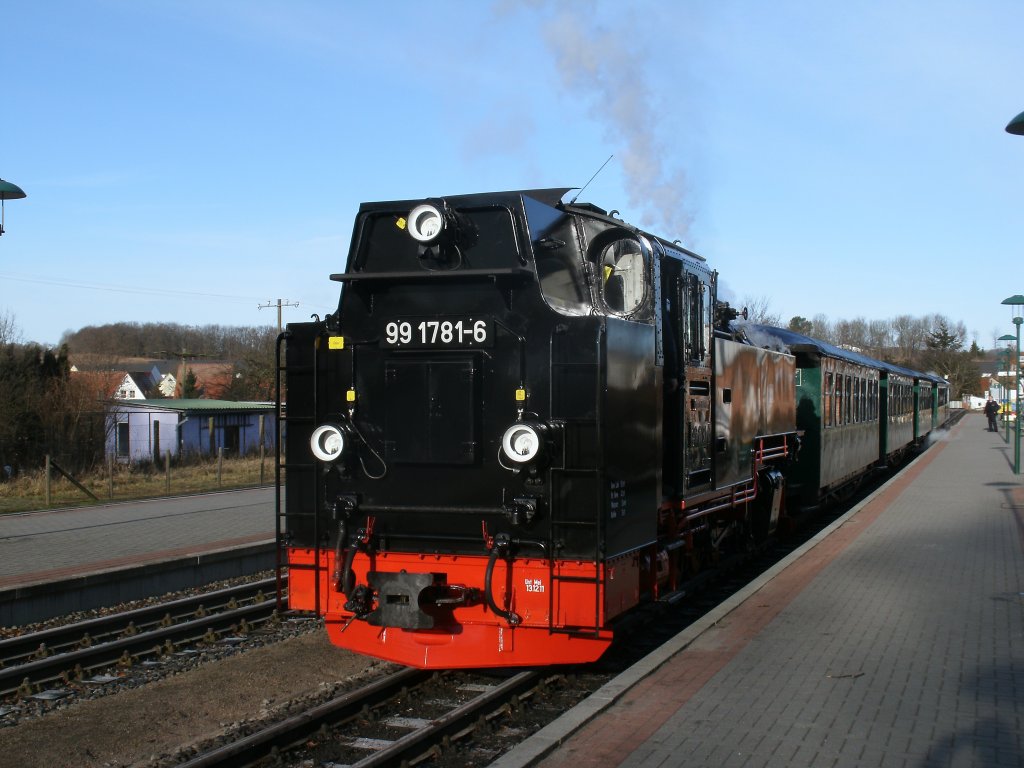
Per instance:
x=190, y=386
x=33, y=383
x=945, y=355
x=802, y=325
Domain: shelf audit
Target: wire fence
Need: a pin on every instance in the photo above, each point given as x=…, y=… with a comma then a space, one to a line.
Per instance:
x=54, y=485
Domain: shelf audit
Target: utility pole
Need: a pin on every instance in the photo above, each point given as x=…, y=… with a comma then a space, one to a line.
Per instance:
x=280, y=303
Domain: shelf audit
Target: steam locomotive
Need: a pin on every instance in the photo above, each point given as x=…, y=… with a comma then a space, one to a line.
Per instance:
x=527, y=417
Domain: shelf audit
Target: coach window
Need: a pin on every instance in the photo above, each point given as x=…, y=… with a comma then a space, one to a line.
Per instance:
x=623, y=275
x=849, y=400
x=828, y=399
x=839, y=399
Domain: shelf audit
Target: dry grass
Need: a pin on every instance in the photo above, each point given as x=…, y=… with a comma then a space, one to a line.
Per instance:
x=28, y=491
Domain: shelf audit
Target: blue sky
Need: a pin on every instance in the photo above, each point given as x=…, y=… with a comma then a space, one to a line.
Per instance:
x=187, y=161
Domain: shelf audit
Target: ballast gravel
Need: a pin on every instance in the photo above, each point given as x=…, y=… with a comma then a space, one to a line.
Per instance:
x=152, y=724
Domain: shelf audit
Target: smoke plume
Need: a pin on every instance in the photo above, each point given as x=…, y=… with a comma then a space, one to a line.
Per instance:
x=607, y=68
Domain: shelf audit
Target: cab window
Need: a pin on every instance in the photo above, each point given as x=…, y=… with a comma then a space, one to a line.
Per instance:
x=557, y=256
x=622, y=270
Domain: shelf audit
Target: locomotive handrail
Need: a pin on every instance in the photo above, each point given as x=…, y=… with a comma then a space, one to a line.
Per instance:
x=769, y=454
x=423, y=510
x=278, y=464
x=522, y=350
x=746, y=492
x=454, y=274
x=435, y=538
x=779, y=449
x=731, y=501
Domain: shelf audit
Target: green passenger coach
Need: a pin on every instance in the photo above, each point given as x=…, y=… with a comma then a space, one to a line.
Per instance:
x=853, y=412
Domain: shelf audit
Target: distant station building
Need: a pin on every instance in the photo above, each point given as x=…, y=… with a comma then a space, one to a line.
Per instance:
x=147, y=430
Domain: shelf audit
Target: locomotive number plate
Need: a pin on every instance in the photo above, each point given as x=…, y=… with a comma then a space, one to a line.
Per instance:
x=437, y=333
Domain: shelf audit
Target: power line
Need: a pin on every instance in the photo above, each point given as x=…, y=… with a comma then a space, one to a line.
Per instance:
x=162, y=291
x=280, y=303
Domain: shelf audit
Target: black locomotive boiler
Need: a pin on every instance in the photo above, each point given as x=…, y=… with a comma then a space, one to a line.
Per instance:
x=519, y=424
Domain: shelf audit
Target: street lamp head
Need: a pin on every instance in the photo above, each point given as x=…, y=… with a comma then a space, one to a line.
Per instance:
x=1015, y=302
x=8, y=191
x=1016, y=126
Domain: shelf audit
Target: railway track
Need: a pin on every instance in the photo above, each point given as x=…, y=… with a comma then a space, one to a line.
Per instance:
x=430, y=720
x=397, y=720
x=70, y=653
x=462, y=718
x=410, y=717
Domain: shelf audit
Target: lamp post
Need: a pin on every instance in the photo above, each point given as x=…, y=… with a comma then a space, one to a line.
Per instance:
x=1016, y=302
x=1006, y=415
x=8, y=191
x=1016, y=126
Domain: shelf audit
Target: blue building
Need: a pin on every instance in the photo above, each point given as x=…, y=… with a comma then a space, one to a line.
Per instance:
x=143, y=430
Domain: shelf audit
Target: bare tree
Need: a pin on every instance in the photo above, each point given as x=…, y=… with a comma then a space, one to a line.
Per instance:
x=9, y=332
x=852, y=334
x=823, y=328
x=142, y=339
x=909, y=335
x=759, y=311
x=879, y=338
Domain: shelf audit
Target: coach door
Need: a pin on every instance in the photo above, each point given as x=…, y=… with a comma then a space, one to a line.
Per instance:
x=687, y=427
x=698, y=434
x=673, y=379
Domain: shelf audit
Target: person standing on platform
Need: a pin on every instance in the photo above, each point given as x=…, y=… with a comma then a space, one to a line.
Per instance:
x=991, y=409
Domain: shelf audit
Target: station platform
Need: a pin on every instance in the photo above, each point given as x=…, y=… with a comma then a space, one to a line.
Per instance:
x=55, y=561
x=894, y=638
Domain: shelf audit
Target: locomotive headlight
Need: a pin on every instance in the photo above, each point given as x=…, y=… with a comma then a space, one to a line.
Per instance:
x=426, y=223
x=523, y=442
x=327, y=442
